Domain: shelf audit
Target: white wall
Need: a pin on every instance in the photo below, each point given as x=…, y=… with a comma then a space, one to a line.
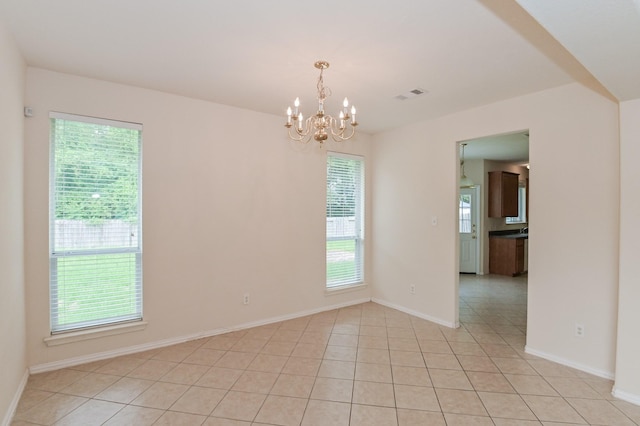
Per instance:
x=230, y=206
x=627, y=384
x=13, y=360
x=574, y=224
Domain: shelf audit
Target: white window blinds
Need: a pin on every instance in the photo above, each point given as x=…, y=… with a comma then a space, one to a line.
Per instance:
x=345, y=219
x=95, y=222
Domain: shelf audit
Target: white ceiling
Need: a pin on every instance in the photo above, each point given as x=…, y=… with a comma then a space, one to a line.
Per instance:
x=604, y=35
x=512, y=148
x=259, y=55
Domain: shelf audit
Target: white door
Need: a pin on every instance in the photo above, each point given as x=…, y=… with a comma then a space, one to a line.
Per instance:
x=468, y=229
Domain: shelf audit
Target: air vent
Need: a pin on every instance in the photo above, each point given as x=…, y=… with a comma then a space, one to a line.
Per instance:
x=411, y=94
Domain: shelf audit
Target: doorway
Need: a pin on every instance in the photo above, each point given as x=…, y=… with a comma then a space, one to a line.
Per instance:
x=478, y=157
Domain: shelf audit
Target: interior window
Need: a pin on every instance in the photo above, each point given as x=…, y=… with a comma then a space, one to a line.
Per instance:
x=522, y=207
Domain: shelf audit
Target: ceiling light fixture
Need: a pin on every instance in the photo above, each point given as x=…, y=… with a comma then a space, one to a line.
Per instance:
x=321, y=125
x=465, y=182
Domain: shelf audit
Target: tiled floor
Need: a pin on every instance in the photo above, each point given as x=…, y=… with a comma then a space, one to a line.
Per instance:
x=362, y=365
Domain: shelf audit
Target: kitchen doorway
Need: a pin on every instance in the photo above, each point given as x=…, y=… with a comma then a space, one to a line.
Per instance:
x=506, y=153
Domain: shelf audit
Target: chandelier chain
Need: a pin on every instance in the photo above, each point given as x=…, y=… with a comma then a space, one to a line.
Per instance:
x=323, y=92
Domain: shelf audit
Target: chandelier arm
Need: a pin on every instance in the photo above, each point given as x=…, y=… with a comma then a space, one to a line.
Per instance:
x=334, y=127
x=303, y=130
x=301, y=134
x=298, y=136
x=337, y=134
x=340, y=138
x=295, y=137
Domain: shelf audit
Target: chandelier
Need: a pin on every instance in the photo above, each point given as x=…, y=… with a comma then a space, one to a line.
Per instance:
x=321, y=125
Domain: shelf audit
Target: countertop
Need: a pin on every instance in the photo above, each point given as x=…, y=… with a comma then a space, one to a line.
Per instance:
x=508, y=234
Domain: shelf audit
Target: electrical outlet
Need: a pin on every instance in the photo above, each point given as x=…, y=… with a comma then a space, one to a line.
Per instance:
x=246, y=298
x=412, y=289
x=579, y=330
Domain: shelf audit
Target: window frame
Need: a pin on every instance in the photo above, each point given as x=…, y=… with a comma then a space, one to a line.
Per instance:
x=359, y=228
x=522, y=207
x=124, y=322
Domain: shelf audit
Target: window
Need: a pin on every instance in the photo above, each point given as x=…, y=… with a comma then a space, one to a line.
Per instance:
x=464, y=214
x=522, y=207
x=345, y=220
x=95, y=222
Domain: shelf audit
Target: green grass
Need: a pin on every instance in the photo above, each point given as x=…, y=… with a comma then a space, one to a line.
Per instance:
x=342, y=245
x=339, y=268
x=91, y=288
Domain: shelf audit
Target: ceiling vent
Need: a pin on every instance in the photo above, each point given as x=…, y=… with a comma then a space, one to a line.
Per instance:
x=411, y=94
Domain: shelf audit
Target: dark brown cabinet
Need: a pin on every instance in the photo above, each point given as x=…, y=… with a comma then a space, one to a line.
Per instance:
x=503, y=194
x=506, y=256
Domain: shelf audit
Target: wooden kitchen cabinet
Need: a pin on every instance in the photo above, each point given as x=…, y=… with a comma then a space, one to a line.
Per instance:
x=506, y=256
x=503, y=194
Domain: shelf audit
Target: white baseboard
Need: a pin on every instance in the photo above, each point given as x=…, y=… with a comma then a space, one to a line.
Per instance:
x=415, y=313
x=626, y=396
x=16, y=399
x=70, y=362
x=596, y=372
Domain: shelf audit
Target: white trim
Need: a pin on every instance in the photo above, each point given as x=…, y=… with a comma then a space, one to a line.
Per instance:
x=345, y=288
x=11, y=411
x=95, y=120
x=70, y=362
x=596, y=372
x=626, y=396
x=94, y=333
x=416, y=313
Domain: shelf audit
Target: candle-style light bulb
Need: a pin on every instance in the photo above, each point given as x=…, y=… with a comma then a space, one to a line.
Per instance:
x=353, y=114
x=342, y=120
x=296, y=104
x=288, y=115
x=300, y=121
x=345, y=103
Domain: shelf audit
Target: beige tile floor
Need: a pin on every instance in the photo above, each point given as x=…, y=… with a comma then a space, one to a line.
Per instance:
x=362, y=365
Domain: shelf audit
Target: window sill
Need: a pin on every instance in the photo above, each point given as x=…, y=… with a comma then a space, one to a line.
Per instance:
x=344, y=289
x=94, y=333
